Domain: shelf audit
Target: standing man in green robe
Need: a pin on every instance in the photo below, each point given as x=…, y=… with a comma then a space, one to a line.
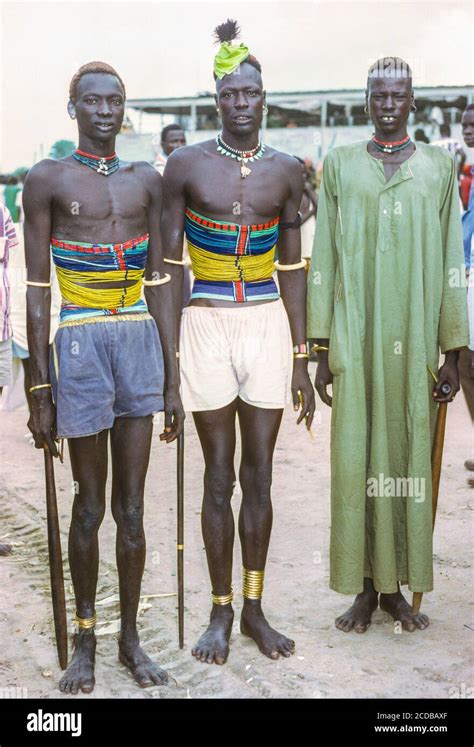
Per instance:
x=385, y=298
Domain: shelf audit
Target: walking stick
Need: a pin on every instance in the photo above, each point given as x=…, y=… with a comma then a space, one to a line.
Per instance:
x=55, y=561
x=436, y=460
x=180, y=535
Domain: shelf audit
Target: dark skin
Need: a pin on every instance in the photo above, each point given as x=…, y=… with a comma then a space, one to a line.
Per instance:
x=173, y=139
x=389, y=101
x=110, y=210
x=203, y=179
x=467, y=123
x=309, y=202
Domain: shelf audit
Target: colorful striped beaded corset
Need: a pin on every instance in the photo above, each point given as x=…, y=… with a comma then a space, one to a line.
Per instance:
x=232, y=262
x=79, y=264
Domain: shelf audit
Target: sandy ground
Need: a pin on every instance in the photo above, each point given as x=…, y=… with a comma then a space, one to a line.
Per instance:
x=382, y=663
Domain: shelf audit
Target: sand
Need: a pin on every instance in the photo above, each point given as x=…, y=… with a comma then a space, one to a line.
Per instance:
x=382, y=663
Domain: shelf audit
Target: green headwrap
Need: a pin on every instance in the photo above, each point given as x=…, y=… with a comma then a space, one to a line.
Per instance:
x=229, y=58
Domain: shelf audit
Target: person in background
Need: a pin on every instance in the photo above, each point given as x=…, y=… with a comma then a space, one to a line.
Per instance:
x=172, y=138
x=466, y=358
x=452, y=145
x=465, y=184
x=420, y=136
x=308, y=209
x=12, y=188
x=8, y=240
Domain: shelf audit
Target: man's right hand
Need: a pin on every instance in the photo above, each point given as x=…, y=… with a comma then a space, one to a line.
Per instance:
x=323, y=378
x=42, y=422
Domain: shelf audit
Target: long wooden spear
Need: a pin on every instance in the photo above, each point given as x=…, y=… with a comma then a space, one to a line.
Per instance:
x=180, y=535
x=55, y=560
x=436, y=461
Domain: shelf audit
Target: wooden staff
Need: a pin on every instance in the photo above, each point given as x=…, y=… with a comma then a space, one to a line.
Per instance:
x=180, y=535
x=55, y=560
x=436, y=460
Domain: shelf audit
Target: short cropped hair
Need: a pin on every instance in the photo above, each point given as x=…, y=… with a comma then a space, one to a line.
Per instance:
x=92, y=67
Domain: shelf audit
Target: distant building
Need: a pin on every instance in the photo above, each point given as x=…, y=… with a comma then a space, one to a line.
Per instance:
x=306, y=123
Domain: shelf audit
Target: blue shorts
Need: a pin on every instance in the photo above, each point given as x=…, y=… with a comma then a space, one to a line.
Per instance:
x=103, y=370
x=19, y=352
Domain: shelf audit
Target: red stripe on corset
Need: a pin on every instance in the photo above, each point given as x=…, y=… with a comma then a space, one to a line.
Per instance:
x=97, y=248
x=242, y=243
x=239, y=291
x=121, y=260
x=230, y=226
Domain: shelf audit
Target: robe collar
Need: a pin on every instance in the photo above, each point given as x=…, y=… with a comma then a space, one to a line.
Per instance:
x=402, y=174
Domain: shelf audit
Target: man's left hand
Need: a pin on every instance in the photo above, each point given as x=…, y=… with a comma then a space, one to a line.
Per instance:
x=447, y=374
x=303, y=395
x=174, y=415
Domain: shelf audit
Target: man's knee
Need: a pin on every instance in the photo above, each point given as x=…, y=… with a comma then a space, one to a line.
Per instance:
x=129, y=516
x=256, y=480
x=87, y=515
x=219, y=485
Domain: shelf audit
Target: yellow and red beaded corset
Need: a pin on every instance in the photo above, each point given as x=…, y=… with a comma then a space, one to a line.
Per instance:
x=80, y=265
x=232, y=262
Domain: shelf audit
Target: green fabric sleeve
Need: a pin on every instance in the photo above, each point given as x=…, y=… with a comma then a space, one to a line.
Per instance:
x=453, y=322
x=323, y=259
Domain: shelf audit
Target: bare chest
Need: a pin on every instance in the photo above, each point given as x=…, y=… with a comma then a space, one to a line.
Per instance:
x=217, y=188
x=93, y=207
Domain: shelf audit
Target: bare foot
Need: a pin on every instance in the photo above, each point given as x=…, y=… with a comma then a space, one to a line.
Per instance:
x=359, y=616
x=270, y=642
x=80, y=673
x=397, y=606
x=144, y=670
x=5, y=549
x=213, y=645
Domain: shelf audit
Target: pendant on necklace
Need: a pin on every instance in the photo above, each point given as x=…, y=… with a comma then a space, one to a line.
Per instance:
x=244, y=170
x=103, y=167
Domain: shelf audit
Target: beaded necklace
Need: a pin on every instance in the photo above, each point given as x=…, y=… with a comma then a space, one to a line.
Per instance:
x=105, y=165
x=391, y=147
x=241, y=155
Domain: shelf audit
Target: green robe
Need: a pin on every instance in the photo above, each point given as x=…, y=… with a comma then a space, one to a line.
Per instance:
x=385, y=285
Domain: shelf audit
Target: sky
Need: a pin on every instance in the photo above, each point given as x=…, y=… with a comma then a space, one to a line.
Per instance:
x=165, y=49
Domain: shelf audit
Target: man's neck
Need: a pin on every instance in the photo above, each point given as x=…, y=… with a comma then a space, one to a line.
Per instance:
x=247, y=141
x=392, y=137
x=101, y=149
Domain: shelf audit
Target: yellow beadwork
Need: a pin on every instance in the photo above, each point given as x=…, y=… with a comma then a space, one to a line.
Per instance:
x=246, y=267
x=74, y=288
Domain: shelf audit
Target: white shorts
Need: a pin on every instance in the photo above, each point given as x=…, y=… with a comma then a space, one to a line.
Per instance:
x=228, y=352
x=5, y=362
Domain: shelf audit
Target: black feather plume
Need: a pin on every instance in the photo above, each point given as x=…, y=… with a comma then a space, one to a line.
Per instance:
x=226, y=32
